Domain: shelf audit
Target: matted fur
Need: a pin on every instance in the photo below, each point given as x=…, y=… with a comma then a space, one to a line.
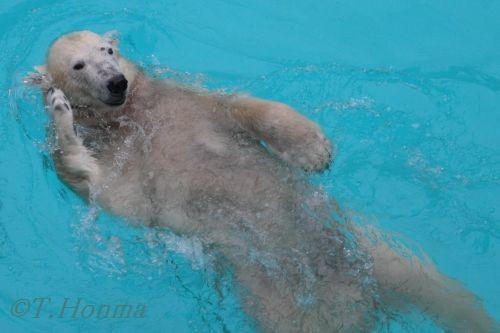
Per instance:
x=194, y=162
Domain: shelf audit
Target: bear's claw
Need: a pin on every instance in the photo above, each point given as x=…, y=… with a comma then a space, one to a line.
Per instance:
x=312, y=153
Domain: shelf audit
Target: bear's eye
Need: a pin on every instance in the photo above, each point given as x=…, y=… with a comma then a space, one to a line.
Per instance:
x=110, y=51
x=78, y=66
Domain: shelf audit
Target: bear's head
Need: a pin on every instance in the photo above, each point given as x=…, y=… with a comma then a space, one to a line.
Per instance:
x=89, y=69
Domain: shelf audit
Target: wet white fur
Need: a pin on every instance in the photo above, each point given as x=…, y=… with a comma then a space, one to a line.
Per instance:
x=192, y=161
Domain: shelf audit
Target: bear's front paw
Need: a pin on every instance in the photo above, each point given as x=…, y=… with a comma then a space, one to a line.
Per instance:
x=57, y=101
x=311, y=150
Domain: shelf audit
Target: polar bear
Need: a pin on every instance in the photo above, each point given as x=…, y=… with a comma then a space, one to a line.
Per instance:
x=227, y=169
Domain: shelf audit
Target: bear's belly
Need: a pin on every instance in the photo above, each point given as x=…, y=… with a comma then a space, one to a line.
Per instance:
x=256, y=211
x=211, y=188
x=196, y=178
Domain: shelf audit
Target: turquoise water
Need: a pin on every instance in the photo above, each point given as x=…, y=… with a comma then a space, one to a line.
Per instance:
x=409, y=91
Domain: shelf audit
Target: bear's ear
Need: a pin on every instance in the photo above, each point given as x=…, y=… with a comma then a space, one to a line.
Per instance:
x=42, y=69
x=111, y=37
x=40, y=78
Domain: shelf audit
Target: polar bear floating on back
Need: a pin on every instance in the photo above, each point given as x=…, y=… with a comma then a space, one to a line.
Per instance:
x=161, y=154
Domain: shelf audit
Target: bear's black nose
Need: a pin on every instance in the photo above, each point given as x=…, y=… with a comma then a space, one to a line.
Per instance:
x=118, y=84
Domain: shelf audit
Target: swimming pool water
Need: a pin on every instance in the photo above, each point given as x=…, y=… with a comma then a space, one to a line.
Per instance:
x=409, y=92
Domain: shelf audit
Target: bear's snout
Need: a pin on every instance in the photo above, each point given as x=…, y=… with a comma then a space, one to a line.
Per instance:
x=117, y=85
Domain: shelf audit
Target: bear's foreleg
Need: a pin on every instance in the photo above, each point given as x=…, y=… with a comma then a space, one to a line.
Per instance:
x=287, y=133
x=74, y=162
